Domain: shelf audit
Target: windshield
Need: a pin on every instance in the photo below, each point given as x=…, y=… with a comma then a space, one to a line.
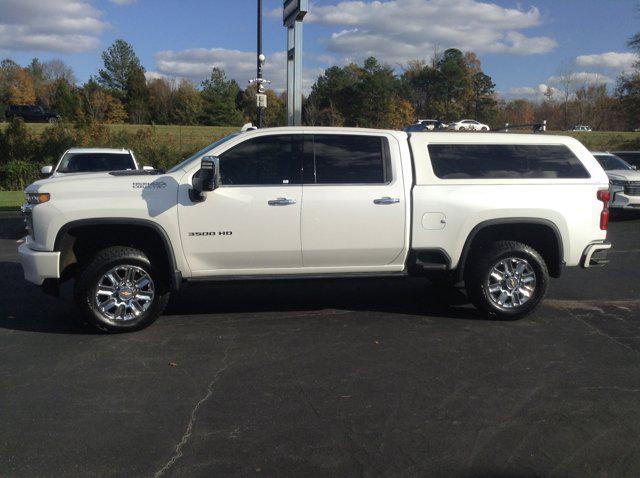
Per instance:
x=610, y=162
x=201, y=152
x=95, y=162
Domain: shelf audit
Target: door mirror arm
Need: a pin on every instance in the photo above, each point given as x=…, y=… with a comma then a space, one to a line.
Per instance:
x=206, y=179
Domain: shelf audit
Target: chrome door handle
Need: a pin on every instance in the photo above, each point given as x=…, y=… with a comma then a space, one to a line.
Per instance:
x=281, y=202
x=386, y=200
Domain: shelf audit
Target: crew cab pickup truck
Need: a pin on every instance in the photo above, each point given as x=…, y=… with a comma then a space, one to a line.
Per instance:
x=499, y=213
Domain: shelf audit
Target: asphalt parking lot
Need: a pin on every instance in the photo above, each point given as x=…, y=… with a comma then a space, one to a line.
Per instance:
x=341, y=378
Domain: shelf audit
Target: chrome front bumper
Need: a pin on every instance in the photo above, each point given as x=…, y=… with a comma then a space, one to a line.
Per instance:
x=595, y=255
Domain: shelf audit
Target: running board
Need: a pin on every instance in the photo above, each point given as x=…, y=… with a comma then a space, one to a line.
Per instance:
x=258, y=277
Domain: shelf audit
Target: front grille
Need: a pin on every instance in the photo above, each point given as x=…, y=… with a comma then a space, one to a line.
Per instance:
x=632, y=188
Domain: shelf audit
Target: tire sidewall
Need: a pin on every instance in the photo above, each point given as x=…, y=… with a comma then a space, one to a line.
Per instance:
x=90, y=281
x=481, y=292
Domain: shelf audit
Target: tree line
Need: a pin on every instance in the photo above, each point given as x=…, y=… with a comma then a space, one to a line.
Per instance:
x=451, y=86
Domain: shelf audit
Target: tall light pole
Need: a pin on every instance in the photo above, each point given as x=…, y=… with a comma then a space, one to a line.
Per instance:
x=293, y=11
x=260, y=63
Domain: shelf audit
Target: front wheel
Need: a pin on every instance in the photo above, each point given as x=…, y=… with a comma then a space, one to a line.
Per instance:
x=120, y=290
x=506, y=280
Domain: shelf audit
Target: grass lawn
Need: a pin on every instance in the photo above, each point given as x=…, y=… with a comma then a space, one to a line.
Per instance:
x=11, y=200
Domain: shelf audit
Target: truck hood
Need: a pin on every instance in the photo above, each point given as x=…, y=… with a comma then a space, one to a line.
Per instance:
x=56, y=179
x=624, y=175
x=101, y=181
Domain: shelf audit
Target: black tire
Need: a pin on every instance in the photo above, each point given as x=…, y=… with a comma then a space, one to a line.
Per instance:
x=480, y=266
x=90, y=275
x=484, y=128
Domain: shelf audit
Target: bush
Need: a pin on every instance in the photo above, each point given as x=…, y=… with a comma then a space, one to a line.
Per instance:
x=17, y=175
x=17, y=143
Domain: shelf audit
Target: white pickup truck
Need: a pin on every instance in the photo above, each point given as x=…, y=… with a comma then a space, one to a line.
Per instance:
x=499, y=212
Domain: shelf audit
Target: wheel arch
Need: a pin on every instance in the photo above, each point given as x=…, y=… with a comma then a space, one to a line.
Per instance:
x=552, y=247
x=65, y=240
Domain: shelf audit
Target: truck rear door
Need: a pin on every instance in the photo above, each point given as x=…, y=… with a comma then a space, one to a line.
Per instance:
x=353, y=208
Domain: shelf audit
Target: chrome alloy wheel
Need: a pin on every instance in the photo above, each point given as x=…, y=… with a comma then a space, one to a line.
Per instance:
x=511, y=283
x=124, y=293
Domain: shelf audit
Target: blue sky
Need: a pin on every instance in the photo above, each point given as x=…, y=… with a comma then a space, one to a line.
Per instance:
x=522, y=45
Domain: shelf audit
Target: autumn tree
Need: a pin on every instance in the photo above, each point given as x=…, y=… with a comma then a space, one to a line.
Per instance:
x=100, y=106
x=187, y=104
x=161, y=100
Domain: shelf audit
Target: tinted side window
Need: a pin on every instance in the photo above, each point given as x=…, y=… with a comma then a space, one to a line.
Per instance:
x=346, y=159
x=502, y=161
x=267, y=160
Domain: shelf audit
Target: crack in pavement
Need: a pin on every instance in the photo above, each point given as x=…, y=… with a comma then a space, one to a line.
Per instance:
x=600, y=332
x=177, y=454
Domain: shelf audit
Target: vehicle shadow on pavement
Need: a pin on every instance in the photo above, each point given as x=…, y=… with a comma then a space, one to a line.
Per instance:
x=415, y=297
x=23, y=306
x=27, y=308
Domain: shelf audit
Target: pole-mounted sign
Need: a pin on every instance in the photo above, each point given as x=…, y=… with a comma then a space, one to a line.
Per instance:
x=292, y=14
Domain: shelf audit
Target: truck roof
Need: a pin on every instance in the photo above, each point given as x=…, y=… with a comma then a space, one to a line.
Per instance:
x=501, y=138
x=430, y=136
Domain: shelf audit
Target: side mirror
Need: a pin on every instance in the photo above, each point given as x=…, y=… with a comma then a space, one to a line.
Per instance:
x=46, y=170
x=206, y=179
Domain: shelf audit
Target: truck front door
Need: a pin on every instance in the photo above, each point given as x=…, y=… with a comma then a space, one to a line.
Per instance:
x=251, y=223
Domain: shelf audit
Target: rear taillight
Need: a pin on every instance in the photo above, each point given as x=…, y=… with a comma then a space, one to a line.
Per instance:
x=604, y=195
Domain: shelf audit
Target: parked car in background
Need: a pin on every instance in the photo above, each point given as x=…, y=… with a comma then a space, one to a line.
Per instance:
x=631, y=157
x=31, y=113
x=469, y=125
x=624, y=180
x=432, y=124
x=582, y=128
x=425, y=125
x=92, y=160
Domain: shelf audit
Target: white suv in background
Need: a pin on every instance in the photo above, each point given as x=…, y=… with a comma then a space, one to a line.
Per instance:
x=469, y=125
x=93, y=160
x=624, y=179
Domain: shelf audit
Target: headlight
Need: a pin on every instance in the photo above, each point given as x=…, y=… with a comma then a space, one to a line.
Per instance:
x=617, y=182
x=37, y=198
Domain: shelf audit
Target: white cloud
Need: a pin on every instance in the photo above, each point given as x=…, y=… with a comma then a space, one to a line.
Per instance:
x=533, y=93
x=197, y=63
x=398, y=30
x=580, y=78
x=64, y=26
x=577, y=80
x=617, y=61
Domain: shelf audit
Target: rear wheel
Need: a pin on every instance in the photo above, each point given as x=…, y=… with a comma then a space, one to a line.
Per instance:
x=119, y=289
x=506, y=280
